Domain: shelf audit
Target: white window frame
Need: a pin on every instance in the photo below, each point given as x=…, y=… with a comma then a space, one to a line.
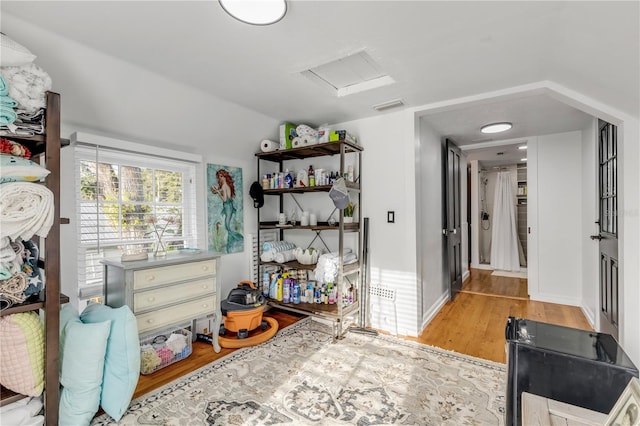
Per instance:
x=106, y=150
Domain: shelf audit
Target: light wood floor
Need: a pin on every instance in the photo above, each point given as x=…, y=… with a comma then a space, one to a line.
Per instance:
x=481, y=281
x=473, y=324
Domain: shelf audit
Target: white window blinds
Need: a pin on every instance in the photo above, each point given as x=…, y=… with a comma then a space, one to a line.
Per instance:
x=118, y=195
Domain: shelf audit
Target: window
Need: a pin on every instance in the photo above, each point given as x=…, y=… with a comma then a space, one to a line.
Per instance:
x=119, y=194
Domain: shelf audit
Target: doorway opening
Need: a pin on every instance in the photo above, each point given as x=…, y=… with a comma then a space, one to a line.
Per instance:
x=502, y=223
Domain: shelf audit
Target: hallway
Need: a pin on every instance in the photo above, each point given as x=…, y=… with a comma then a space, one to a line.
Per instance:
x=481, y=281
x=474, y=323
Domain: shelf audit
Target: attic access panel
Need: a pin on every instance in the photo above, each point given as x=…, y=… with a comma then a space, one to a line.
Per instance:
x=350, y=74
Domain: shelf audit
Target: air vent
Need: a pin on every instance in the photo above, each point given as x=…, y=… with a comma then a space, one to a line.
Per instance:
x=350, y=74
x=388, y=105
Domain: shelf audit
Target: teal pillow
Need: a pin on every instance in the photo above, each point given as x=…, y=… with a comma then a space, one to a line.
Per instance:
x=122, y=362
x=82, y=351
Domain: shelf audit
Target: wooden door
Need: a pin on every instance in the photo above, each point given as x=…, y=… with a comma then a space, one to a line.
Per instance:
x=452, y=218
x=608, y=227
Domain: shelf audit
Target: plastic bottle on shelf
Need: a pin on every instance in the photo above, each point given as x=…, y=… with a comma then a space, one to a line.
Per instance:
x=296, y=293
x=288, y=179
x=286, y=290
x=265, y=284
x=279, y=285
x=265, y=182
x=311, y=176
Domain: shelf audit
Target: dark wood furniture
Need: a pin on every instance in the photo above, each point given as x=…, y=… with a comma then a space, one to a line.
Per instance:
x=47, y=145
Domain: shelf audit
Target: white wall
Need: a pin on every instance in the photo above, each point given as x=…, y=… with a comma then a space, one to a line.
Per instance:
x=388, y=182
x=558, y=160
x=104, y=95
x=590, y=269
x=433, y=287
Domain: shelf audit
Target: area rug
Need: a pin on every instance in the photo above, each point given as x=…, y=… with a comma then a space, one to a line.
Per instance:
x=301, y=378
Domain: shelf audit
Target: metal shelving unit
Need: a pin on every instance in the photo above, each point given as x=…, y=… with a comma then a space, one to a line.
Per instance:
x=348, y=275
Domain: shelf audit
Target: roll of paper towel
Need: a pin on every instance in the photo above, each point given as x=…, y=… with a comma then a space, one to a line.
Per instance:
x=297, y=142
x=309, y=140
x=267, y=146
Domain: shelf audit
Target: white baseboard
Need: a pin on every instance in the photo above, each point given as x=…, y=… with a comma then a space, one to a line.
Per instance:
x=481, y=266
x=465, y=275
x=588, y=313
x=434, y=309
x=552, y=298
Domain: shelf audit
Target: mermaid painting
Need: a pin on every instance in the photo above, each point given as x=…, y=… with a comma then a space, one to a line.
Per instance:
x=225, y=190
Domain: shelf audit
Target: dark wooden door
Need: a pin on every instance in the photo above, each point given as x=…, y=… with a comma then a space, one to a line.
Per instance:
x=452, y=218
x=608, y=227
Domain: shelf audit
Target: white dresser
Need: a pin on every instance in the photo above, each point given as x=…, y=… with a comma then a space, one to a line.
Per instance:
x=167, y=291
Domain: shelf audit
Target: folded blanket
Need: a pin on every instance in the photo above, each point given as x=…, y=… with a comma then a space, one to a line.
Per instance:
x=25, y=124
x=4, y=90
x=7, y=115
x=27, y=84
x=25, y=209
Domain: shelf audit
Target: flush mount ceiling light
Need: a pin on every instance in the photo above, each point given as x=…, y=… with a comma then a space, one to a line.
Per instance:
x=496, y=127
x=255, y=12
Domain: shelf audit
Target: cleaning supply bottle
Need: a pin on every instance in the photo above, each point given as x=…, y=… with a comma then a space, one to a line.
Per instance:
x=279, y=285
x=265, y=182
x=311, y=176
x=265, y=284
x=273, y=288
x=286, y=290
x=296, y=292
x=288, y=179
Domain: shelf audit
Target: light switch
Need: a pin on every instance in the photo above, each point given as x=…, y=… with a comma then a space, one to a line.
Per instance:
x=391, y=217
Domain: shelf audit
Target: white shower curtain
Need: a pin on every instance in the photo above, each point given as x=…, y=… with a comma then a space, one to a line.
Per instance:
x=504, y=235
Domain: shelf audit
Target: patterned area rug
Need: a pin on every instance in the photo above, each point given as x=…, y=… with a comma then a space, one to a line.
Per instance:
x=300, y=378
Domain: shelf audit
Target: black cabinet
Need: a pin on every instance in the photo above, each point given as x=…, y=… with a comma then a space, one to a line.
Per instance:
x=578, y=367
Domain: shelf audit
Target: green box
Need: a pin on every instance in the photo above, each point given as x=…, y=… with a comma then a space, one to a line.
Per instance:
x=287, y=133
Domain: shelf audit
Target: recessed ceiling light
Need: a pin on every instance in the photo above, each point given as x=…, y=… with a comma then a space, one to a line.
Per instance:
x=255, y=12
x=496, y=127
x=522, y=147
x=523, y=159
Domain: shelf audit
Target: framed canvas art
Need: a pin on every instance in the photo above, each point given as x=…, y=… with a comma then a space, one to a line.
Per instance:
x=225, y=209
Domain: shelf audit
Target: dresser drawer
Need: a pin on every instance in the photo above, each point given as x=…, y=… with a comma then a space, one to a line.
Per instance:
x=157, y=298
x=175, y=314
x=147, y=278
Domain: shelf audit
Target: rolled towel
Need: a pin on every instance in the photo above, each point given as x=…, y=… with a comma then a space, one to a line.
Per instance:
x=285, y=256
x=176, y=342
x=26, y=209
x=268, y=256
x=278, y=246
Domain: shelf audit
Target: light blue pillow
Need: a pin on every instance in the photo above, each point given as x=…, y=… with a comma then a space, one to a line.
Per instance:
x=82, y=351
x=122, y=362
x=18, y=169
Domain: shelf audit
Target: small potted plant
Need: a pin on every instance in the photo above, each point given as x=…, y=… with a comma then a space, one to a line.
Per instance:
x=348, y=212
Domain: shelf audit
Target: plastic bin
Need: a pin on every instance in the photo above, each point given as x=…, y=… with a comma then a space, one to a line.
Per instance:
x=163, y=348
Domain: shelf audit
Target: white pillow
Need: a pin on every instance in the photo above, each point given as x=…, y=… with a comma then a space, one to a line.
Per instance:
x=14, y=54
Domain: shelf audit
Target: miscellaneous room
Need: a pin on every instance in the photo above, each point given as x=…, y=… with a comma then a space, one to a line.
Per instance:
x=234, y=212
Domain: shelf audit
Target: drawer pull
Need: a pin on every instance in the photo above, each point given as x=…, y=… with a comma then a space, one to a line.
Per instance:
x=151, y=277
x=205, y=305
x=205, y=268
x=205, y=286
x=151, y=321
x=151, y=299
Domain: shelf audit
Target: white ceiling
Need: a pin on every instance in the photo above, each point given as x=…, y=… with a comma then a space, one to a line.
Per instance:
x=434, y=51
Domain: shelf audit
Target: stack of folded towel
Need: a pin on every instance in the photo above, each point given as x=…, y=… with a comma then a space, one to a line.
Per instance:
x=7, y=105
x=23, y=87
x=277, y=251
